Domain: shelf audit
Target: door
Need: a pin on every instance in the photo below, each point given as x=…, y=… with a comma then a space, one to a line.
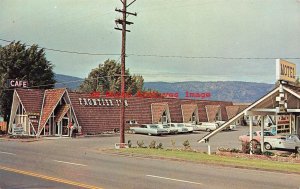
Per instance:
x=65, y=128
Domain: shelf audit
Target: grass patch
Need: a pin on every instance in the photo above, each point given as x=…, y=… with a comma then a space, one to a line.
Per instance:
x=216, y=159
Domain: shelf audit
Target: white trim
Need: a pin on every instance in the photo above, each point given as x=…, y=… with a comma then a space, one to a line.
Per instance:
x=71, y=106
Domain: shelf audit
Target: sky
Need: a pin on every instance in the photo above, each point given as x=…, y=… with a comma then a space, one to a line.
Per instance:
x=180, y=34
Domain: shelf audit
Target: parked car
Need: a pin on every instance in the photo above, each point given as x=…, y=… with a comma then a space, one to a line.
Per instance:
x=257, y=136
x=208, y=126
x=181, y=127
x=150, y=129
x=171, y=130
x=230, y=127
x=289, y=142
x=192, y=126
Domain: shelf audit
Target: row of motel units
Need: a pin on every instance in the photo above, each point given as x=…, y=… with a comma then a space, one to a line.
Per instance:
x=54, y=112
x=281, y=105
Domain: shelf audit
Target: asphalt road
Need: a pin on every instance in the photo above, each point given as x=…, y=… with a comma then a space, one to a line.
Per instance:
x=78, y=163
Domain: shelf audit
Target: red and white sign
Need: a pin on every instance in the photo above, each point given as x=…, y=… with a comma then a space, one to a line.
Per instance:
x=17, y=83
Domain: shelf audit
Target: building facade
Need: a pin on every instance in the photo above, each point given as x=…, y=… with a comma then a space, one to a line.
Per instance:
x=56, y=112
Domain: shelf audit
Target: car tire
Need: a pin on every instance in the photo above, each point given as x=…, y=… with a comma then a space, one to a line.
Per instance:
x=132, y=131
x=208, y=130
x=298, y=150
x=149, y=134
x=268, y=146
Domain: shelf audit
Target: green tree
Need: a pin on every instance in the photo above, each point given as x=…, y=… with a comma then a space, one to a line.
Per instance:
x=106, y=78
x=23, y=63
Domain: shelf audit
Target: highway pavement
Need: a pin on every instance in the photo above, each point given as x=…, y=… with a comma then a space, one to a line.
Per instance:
x=81, y=163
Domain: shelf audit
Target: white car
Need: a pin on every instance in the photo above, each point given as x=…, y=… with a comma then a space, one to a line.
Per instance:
x=192, y=126
x=180, y=127
x=170, y=130
x=150, y=129
x=230, y=127
x=208, y=126
x=290, y=142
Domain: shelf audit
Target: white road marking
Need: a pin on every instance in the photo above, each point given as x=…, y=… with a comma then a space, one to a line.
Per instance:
x=8, y=153
x=174, y=179
x=69, y=163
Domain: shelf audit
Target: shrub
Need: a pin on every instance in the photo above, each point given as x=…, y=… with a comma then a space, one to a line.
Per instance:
x=159, y=146
x=152, y=144
x=268, y=153
x=186, y=144
x=140, y=144
x=129, y=143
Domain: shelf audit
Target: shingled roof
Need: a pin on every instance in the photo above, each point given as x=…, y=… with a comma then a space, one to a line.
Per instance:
x=62, y=110
x=187, y=111
x=211, y=111
x=232, y=111
x=158, y=110
x=32, y=100
x=51, y=99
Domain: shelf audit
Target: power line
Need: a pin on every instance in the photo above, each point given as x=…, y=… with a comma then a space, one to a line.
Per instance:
x=160, y=56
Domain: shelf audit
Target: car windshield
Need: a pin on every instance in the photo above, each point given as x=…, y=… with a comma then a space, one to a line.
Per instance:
x=180, y=125
x=153, y=126
x=166, y=126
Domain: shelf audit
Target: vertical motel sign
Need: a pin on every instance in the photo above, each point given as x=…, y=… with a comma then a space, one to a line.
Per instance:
x=285, y=72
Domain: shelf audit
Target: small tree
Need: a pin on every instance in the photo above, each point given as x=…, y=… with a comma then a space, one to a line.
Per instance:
x=107, y=78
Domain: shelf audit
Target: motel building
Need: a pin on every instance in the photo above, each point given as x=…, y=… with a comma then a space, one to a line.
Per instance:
x=57, y=112
x=280, y=107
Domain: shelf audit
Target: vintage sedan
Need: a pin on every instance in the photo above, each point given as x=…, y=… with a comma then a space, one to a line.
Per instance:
x=150, y=129
x=288, y=142
x=257, y=136
x=208, y=126
x=171, y=130
x=193, y=126
x=180, y=127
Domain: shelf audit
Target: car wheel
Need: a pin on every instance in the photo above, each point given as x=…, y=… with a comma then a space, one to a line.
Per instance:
x=149, y=134
x=268, y=146
x=132, y=131
x=298, y=150
x=208, y=130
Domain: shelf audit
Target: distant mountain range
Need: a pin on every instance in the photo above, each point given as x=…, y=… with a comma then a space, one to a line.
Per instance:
x=235, y=91
x=66, y=81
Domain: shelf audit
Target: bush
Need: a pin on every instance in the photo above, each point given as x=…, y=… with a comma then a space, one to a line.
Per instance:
x=159, y=146
x=140, y=144
x=268, y=153
x=186, y=144
x=129, y=143
x=152, y=144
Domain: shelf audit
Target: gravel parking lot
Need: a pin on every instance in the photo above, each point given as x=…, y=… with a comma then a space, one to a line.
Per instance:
x=222, y=139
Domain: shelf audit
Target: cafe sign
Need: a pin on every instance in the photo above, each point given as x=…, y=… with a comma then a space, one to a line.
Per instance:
x=285, y=71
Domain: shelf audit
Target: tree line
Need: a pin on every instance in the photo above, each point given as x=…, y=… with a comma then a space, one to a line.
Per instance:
x=29, y=63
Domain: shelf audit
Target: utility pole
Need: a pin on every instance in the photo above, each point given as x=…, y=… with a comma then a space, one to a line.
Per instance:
x=123, y=23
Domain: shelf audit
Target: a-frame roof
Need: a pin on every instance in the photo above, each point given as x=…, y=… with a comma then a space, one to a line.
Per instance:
x=157, y=111
x=50, y=101
x=232, y=111
x=211, y=111
x=31, y=99
x=187, y=111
